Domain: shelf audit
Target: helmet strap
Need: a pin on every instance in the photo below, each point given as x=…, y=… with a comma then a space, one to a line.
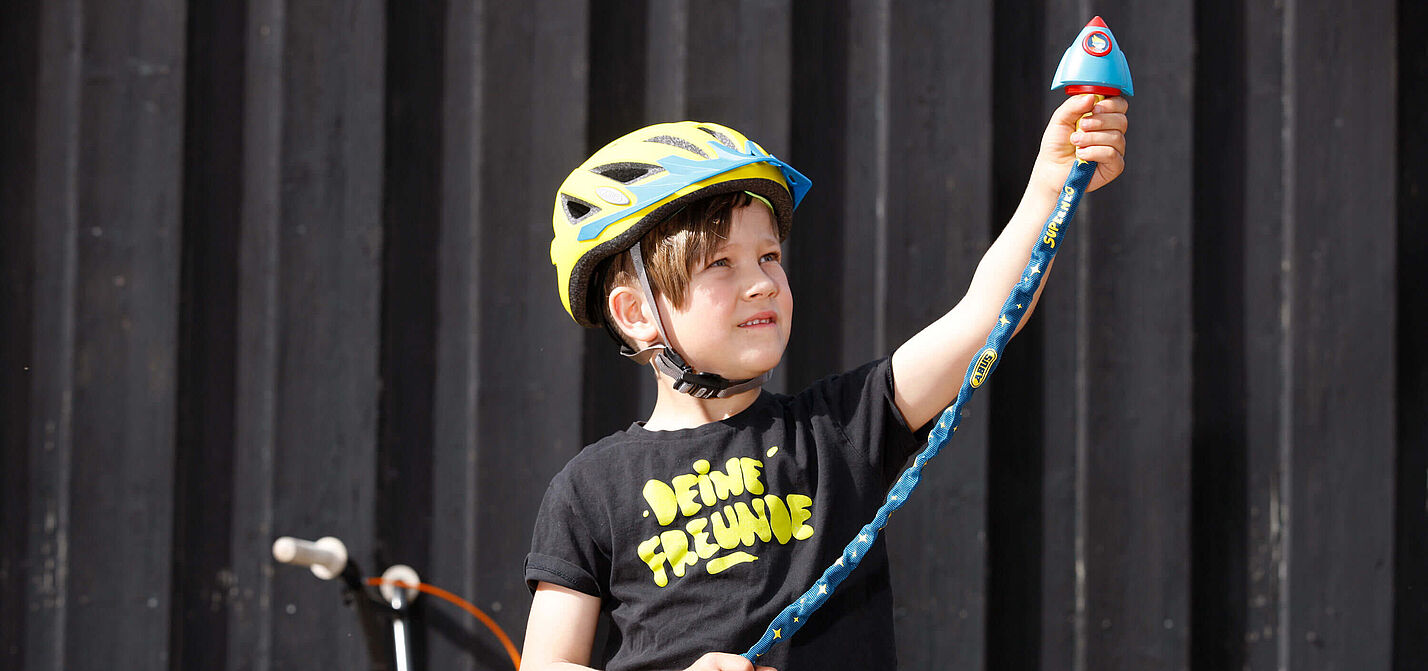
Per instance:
x=666, y=360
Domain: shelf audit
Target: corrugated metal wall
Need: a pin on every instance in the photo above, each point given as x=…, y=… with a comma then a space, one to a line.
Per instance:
x=281, y=267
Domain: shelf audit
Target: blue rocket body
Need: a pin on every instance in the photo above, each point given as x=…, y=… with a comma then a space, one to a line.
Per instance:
x=1094, y=60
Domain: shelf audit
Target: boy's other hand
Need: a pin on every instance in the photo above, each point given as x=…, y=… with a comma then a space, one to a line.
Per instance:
x=723, y=661
x=1101, y=138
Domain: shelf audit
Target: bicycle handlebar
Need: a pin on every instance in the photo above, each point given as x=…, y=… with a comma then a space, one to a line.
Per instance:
x=326, y=556
x=399, y=586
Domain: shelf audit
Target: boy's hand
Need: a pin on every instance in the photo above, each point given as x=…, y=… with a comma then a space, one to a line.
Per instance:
x=723, y=661
x=1101, y=138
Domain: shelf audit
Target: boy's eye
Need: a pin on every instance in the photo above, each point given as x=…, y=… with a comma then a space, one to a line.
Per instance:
x=719, y=263
x=771, y=256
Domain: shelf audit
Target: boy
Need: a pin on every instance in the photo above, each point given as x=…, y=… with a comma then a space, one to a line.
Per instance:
x=694, y=528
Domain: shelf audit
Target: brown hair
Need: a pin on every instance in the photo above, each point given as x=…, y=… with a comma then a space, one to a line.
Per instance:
x=674, y=247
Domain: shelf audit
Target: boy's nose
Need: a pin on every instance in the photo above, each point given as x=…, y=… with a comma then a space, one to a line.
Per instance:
x=761, y=285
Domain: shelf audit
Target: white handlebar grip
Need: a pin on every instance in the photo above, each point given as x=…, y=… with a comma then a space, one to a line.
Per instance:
x=326, y=557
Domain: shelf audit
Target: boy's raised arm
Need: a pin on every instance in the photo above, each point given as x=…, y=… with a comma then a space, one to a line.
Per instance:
x=929, y=367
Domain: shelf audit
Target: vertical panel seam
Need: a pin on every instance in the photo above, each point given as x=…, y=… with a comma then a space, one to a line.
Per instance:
x=472, y=465
x=54, y=434
x=882, y=92
x=1082, y=385
x=1082, y=382
x=673, y=32
x=1286, y=332
x=262, y=205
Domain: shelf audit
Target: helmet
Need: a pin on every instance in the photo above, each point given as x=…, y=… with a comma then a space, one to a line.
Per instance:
x=632, y=184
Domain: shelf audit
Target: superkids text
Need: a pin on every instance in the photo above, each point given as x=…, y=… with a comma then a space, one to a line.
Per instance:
x=1068, y=195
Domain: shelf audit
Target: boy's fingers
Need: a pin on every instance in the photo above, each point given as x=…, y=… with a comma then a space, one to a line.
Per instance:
x=1100, y=154
x=1113, y=139
x=1074, y=107
x=1112, y=105
x=1082, y=103
x=723, y=661
x=1114, y=121
x=1110, y=112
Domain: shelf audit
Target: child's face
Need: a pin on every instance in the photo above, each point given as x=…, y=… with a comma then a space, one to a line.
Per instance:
x=739, y=309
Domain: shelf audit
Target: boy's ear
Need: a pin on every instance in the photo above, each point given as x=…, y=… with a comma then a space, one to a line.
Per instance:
x=633, y=316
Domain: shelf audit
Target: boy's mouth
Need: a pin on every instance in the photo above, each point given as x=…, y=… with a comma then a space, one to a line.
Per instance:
x=759, y=319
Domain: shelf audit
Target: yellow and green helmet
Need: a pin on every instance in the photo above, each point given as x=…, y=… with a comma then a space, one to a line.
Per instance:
x=632, y=184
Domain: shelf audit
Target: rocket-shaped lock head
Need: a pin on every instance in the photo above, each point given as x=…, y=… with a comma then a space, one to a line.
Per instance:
x=1094, y=64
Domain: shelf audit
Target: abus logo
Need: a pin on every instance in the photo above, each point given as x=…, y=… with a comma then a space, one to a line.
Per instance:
x=984, y=366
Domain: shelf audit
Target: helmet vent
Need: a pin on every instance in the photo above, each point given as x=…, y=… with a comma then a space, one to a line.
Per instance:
x=627, y=173
x=678, y=142
x=576, y=209
x=722, y=138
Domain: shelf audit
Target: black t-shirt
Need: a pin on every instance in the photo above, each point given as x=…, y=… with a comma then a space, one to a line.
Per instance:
x=695, y=539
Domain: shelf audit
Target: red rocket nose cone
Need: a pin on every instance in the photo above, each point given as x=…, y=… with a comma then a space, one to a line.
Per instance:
x=1097, y=22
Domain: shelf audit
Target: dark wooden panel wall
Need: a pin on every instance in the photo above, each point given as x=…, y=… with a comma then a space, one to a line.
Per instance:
x=281, y=267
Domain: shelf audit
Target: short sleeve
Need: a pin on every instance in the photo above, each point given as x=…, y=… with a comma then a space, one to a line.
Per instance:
x=862, y=403
x=564, y=550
